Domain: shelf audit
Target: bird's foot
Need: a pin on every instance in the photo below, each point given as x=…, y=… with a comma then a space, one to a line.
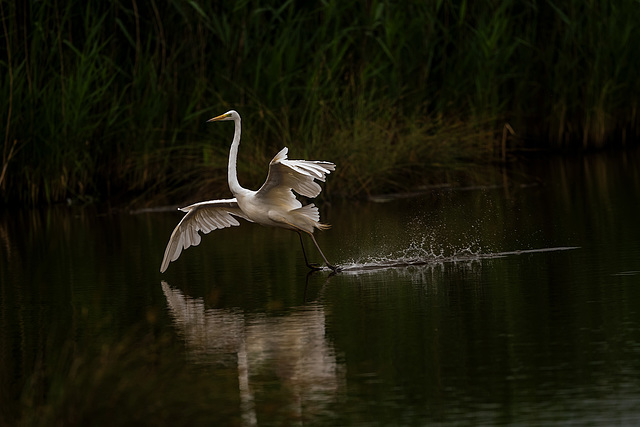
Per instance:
x=314, y=266
x=317, y=267
x=334, y=268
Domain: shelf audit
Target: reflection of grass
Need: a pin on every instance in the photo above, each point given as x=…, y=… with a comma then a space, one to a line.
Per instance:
x=131, y=381
x=110, y=99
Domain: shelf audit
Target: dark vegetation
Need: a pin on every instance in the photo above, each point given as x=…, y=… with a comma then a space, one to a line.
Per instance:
x=107, y=100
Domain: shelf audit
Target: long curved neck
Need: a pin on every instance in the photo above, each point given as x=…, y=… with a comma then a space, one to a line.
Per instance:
x=234, y=185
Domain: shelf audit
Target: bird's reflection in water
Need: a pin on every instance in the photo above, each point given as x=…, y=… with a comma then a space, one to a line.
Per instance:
x=292, y=346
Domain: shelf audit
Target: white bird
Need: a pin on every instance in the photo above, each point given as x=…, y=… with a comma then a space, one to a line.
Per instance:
x=274, y=204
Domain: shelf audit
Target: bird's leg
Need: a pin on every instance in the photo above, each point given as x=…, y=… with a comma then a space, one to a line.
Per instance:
x=331, y=266
x=311, y=266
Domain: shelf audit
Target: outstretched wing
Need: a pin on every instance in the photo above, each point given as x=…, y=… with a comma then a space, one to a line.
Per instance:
x=297, y=175
x=202, y=216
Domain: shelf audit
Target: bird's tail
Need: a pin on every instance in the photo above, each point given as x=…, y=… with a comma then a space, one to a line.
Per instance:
x=312, y=216
x=322, y=226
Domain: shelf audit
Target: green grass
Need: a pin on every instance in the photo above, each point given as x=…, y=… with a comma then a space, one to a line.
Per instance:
x=108, y=100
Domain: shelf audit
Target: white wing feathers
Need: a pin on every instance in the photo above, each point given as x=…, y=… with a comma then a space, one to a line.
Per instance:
x=205, y=217
x=297, y=175
x=284, y=176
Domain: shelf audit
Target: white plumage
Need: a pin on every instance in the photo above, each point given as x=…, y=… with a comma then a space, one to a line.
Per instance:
x=274, y=204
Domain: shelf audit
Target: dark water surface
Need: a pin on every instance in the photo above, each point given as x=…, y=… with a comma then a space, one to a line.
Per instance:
x=513, y=304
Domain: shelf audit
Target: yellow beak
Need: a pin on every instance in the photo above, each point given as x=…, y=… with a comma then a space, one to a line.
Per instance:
x=220, y=117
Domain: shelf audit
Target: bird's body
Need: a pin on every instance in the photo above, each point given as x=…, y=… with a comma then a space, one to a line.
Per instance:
x=274, y=204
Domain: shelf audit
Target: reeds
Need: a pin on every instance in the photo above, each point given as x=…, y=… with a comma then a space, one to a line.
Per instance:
x=109, y=99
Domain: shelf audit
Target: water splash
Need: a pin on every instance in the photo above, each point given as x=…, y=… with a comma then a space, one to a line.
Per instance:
x=421, y=253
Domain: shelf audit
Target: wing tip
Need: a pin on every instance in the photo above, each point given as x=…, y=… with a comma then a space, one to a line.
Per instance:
x=165, y=264
x=282, y=155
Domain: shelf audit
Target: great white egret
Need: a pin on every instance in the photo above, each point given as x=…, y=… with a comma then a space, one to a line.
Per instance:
x=274, y=204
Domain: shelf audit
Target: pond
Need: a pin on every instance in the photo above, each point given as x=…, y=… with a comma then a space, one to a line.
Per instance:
x=517, y=303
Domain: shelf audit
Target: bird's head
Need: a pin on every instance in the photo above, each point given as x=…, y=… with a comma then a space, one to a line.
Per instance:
x=229, y=115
